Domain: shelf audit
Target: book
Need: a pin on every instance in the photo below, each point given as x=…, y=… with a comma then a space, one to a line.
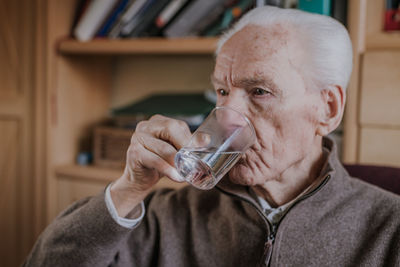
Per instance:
x=166, y=16
x=114, y=15
x=146, y=18
x=392, y=15
x=80, y=9
x=190, y=107
x=167, y=104
x=230, y=15
x=290, y=4
x=136, y=19
x=211, y=17
x=92, y=19
x=339, y=10
x=278, y=3
x=190, y=17
x=128, y=15
x=322, y=7
x=169, y=12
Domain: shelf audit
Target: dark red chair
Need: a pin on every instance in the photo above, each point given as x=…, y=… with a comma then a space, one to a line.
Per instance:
x=387, y=178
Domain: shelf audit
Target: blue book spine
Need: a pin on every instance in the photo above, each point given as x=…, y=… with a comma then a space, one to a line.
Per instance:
x=322, y=7
x=112, y=18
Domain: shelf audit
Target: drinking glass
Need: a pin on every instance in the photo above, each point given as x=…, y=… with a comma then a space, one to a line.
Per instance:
x=215, y=147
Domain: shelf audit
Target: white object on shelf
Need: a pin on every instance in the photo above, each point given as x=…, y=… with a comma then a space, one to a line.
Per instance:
x=92, y=19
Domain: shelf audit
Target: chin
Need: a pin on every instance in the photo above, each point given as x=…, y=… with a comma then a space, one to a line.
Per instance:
x=241, y=174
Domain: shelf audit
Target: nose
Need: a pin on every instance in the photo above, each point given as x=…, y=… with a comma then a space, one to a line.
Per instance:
x=235, y=100
x=230, y=119
x=236, y=129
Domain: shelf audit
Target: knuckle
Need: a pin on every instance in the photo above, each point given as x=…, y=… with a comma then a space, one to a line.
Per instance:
x=173, y=124
x=141, y=139
x=132, y=150
x=181, y=124
x=137, y=142
x=156, y=117
x=141, y=126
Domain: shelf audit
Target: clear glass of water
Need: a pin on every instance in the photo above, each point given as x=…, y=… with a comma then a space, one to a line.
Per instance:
x=215, y=147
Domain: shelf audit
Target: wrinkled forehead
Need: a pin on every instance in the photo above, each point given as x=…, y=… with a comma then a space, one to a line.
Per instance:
x=257, y=42
x=255, y=52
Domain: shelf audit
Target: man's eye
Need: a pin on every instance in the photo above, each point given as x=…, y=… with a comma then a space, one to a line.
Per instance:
x=259, y=91
x=222, y=92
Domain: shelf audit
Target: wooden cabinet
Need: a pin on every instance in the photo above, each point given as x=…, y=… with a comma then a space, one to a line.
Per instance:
x=380, y=83
x=372, y=118
x=379, y=108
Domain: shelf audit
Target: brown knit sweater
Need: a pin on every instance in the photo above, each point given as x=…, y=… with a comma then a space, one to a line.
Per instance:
x=345, y=222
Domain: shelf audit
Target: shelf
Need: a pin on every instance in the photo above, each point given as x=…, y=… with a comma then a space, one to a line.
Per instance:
x=101, y=174
x=88, y=172
x=383, y=40
x=201, y=46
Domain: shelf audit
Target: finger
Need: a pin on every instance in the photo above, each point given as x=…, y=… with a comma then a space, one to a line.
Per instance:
x=149, y=160
x=201, y=139
x=170, y=130
x=163, y=149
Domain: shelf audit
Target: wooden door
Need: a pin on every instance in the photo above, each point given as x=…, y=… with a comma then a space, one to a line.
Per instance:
x=17, y=81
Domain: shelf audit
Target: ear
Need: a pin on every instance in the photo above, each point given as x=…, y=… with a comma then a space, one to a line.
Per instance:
x=333, y=101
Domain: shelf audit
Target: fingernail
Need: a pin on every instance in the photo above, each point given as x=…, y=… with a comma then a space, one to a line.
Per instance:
x=177, y=176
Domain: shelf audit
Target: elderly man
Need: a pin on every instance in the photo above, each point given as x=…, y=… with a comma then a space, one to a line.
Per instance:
x=287, y=202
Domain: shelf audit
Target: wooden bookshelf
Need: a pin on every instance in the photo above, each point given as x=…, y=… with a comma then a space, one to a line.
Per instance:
x=86, y=79
x=151, y=46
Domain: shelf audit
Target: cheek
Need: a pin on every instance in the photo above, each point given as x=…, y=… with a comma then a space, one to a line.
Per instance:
x=285, y=130
x=296, y=132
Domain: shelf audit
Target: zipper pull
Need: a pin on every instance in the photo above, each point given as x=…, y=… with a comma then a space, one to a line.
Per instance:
x=268, y=250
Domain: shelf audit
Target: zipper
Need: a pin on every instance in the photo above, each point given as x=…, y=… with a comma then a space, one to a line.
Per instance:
x=268, y=245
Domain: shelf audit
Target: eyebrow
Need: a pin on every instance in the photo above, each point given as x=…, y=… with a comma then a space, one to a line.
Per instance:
x=250, y=82
x=214, y=80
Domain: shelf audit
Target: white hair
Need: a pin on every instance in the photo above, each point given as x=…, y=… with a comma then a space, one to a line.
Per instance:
x=326, y=41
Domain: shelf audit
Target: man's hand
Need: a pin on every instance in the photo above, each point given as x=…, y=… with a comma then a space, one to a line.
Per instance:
x=150, y=156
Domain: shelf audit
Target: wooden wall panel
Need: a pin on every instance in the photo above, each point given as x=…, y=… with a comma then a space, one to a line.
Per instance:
x=9, y=53
x=17, y=35
x=380, y=146
x=9, y=145
x=380, y=83
x=70, y=191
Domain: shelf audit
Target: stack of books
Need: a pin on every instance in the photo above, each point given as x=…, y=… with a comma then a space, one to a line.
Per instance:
x=178, y=18
x=167, y=18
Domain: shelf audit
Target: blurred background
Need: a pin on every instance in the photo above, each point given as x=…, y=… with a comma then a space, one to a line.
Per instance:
x=76, y=76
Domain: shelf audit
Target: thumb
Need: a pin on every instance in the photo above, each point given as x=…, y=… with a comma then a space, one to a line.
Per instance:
x=173, y=174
